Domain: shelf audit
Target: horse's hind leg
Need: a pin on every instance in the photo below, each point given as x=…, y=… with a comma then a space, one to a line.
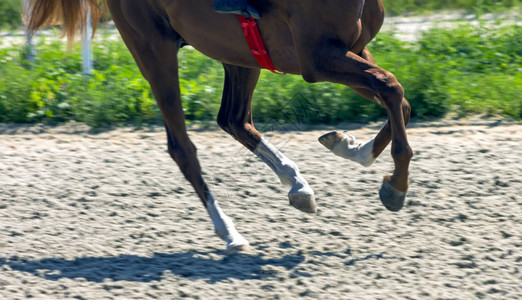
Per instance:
x=235, y=117
x=154, y=46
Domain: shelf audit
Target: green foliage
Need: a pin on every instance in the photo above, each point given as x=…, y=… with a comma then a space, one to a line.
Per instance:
x=468, y=70
x=54, y=90
x=10, y=14
x=201, y=81
x=396, y=7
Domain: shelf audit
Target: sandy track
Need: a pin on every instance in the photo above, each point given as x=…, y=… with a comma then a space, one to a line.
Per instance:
x=108, y=215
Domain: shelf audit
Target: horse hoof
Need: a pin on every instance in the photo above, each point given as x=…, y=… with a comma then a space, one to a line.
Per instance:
x=245, y=248
x=303, y=202
x=330, y=140
x=392, y=199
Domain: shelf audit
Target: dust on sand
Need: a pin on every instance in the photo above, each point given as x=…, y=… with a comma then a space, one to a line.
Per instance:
x=108, y=215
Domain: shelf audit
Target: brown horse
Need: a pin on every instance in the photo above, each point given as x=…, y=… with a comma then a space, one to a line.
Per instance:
x=319, y=40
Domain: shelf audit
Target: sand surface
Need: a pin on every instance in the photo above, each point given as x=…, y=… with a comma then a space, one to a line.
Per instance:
x=108, y=215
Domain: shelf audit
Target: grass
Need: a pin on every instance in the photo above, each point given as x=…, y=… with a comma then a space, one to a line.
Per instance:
x=398, y=7
x=463, y=71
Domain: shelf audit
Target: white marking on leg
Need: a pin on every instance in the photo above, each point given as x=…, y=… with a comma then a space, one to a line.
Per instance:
x=349, y=148
x=285, y=169
x=223, y=225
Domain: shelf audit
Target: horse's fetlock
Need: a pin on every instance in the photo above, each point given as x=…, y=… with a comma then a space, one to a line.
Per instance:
x=289, y=168
x=402, y=154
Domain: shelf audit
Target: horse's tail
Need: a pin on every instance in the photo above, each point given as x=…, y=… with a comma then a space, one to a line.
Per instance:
x=72, y=14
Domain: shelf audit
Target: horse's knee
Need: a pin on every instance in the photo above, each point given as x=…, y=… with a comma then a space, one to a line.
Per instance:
x=184, y=154
x=387, y=87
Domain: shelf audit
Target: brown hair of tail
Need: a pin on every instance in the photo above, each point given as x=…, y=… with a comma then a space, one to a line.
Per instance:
x=71, y=14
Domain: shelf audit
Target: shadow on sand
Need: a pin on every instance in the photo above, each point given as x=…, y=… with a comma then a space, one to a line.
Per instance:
x=193, y=265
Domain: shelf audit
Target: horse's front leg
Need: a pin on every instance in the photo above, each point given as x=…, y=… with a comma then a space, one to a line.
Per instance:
x=154, y=45
x=235, y=117
x=301, y=196
x=364, y=153
x=331, y=62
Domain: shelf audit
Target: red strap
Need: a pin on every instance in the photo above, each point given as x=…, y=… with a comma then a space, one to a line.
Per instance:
x=256, y=44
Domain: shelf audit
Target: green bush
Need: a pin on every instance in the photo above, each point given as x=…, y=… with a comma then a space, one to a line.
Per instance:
x=396, y=7
x=10, y=14
x=53, y=89
x=481, y=68
x=468, y=70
